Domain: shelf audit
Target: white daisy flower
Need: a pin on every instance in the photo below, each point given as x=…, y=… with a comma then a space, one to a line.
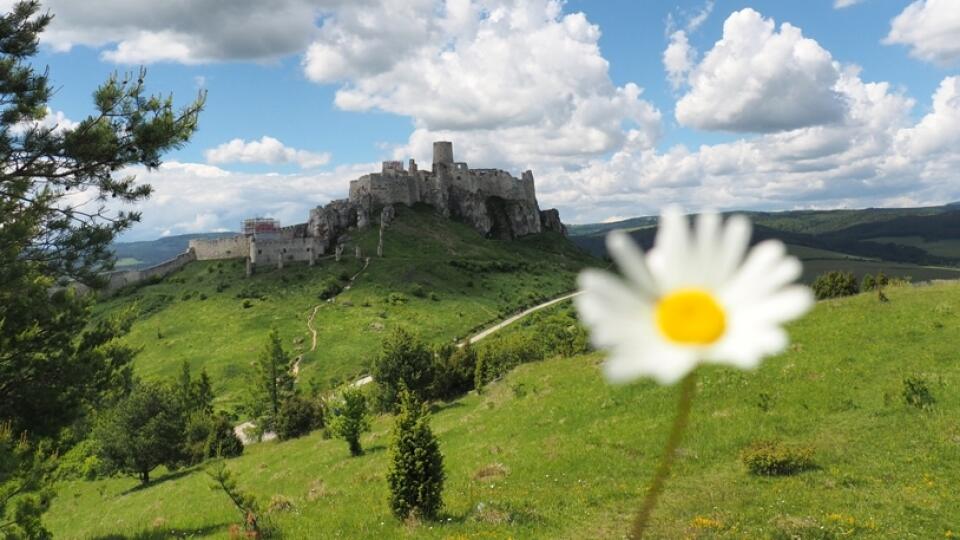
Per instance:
x=696, y=297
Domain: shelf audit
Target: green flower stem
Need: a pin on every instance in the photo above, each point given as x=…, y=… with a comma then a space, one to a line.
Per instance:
x=688, y=388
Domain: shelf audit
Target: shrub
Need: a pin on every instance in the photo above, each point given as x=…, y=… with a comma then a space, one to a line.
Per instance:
x=454, y=371
x=772, y=458
x=416, y=474
x=396, y=299
x=501, y=355
x=247, y=304
x=80, y=462
x=916, y=392
x=835, y=284
x=868, y=283
x=419, y=291
x=210, y=436
x=350, y=418
x=404, y=361
x=329, y=288
x=298, y=416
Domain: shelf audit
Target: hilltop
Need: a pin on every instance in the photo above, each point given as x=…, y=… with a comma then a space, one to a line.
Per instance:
x=553, y=451
x=439, y=278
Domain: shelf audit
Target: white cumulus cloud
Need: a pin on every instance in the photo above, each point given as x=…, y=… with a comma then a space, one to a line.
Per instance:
x=931, y=28
x=267, y=151
x=678, y=58
x=840, y=4
x=758, y=79
x=186, y=31
x=512, y=82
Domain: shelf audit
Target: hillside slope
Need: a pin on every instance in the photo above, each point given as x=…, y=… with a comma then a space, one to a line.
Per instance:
x=923, y=243
x=552, y=451
x=438, y=278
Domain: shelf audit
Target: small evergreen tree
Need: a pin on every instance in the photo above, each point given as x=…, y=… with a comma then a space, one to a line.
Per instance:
x=404, y=360
x=351, y=419
x=416, y=472
x=253, y=521
x=194, y=395
x=144, y=430
x=273, y=382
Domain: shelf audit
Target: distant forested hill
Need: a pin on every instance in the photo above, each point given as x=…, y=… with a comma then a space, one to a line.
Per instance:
x=904, y=237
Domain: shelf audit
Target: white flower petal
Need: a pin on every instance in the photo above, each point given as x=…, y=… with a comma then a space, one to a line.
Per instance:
x=612, y=310
x=785, y=305
x=673, y=250
x=733, y=246
x=745, y=348
x=707, y=247
x=631, y=261
x=665, y=364
x=766, y=268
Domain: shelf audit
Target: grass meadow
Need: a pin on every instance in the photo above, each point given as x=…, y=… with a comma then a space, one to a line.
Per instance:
x=552, y=451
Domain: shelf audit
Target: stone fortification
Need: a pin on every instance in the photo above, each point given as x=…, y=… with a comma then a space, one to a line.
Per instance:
x=123, y=278
x=492, y=201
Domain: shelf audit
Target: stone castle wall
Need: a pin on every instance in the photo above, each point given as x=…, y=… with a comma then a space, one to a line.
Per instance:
x=124, y=278
x=232, y=247
x=270, y=251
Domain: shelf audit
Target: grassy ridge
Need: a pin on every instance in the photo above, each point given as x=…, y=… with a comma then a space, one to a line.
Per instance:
x=551, y=451
x=201, y=319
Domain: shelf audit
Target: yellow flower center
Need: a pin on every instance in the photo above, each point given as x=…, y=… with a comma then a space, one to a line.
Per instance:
x=690, y=317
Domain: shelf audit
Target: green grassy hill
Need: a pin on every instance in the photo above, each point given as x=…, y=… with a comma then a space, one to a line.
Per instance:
x=923, y=243
x=438, y=278
x=552, y=451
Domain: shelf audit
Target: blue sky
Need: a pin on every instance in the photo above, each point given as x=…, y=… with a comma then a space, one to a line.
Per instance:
x=860, y=110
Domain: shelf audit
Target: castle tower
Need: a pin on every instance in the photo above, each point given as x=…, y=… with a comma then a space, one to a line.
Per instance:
x=442, y=154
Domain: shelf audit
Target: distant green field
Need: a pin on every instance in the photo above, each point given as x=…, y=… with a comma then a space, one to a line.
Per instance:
x=552, y=451
x=941, y=248
x=184, y=317
x=127, y=261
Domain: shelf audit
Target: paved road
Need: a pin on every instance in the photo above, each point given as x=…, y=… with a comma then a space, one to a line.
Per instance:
x=493, y=329
x=506, y=322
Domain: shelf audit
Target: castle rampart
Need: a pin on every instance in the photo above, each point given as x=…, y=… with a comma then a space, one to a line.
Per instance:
x=493, y=201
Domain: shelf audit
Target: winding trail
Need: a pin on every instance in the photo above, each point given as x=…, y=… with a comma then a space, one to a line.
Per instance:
x=316, y=308
x=493, y=329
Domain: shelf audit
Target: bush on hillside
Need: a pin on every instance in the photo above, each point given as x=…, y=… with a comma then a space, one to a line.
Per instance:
x=835, y=285
x=454, y=369
x=298, y=416
x=772, y=458
x=210, y=436
x=329, y=288
x=404, y=361
x=916, y=392
x=500, y=355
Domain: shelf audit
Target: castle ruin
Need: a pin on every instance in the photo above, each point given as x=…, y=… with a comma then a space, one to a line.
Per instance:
x=492, y=201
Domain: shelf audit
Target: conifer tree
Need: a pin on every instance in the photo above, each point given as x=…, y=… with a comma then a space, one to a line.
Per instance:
x=416, y=472
x=273, y=382
x=351, y=418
